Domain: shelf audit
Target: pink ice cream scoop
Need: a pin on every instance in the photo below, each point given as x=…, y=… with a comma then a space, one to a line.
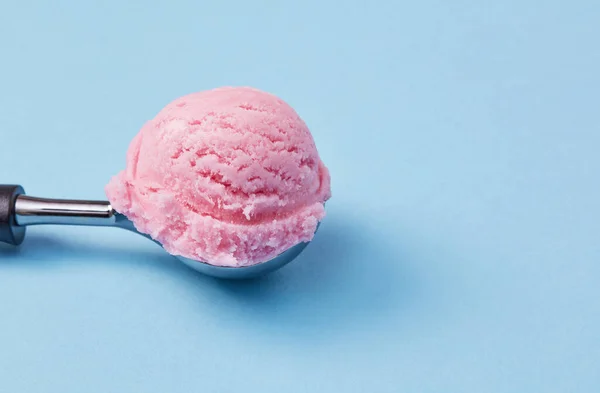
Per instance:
x=229, y=177
x=227, y=180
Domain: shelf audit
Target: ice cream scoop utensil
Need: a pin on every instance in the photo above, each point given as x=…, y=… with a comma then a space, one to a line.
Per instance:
x=17, y=211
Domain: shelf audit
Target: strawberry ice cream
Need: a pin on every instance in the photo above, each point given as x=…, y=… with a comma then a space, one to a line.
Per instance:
x=230, y=177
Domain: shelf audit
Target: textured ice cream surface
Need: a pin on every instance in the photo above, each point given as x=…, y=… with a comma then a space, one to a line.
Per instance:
x=230, y=176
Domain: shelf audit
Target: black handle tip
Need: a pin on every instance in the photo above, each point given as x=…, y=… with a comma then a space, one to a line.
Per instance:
x=9, y=231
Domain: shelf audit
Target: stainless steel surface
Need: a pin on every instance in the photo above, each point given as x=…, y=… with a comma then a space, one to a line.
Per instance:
x=38, y=211
x=41, y=211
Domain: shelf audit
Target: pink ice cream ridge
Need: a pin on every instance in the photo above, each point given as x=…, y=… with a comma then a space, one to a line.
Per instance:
x=230, y=176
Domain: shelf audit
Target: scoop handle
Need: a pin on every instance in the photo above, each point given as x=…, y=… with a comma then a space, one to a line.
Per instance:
x=18, y=211
x=10, y=232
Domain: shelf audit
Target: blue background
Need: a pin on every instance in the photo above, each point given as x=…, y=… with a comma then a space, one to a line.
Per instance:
x=461, y=250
